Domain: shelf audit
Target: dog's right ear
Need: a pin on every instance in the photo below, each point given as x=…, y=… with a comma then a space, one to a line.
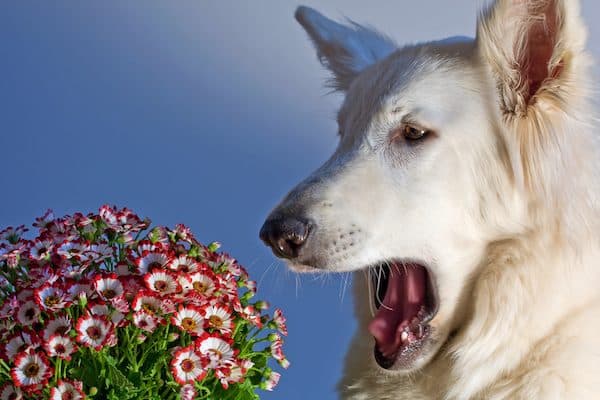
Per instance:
x=344, y=50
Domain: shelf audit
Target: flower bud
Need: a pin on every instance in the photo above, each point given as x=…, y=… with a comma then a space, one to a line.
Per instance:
x=214, y=246
x=261, y=305
x=93, y=391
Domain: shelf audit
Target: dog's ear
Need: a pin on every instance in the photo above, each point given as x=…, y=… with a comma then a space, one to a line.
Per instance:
x=535, y=50
x=532, y=47
x=344, y=49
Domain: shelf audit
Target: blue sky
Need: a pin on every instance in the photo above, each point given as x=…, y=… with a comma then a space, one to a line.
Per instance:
x=198, y=112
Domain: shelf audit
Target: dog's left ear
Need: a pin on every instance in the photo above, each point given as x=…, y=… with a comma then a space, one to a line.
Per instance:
x=345, y=50
x=533, y=48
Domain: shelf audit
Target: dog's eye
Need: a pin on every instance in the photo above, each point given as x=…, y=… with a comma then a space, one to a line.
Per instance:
x=410, y=134
x=413, y=133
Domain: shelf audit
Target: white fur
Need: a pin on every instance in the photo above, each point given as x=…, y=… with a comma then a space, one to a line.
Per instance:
x=501, y=205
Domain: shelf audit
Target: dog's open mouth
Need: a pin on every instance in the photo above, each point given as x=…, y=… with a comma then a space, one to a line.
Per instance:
x=406, y=300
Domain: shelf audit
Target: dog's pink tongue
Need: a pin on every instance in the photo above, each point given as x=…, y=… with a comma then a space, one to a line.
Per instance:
x=404, y=298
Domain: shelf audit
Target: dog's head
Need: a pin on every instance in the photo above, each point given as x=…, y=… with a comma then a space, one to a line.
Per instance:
x=440, y=153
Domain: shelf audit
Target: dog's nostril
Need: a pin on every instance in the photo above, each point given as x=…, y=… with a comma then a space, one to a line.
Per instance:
x=285, y=236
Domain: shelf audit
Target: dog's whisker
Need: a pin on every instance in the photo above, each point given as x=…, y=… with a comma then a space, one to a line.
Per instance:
x=367, y=274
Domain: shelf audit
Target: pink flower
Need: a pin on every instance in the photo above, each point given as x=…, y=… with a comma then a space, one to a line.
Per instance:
x=186, y=365
x=31, y=369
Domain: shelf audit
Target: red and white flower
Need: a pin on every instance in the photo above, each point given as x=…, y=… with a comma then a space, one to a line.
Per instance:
x=187, y=366
x=108, y=286
x=277, y=351
x=145, y=321
x=50, y=298
x=79, y=290
x=161, y=281
x=9, y=392
x=279, y=321
x=184, y=264
x=71, y=390
x=232, y=372
x=187, y=392
x=151, y=303
x=150, y=261
x=98, y=252
x=57, y=325
x=93, y=331
x=189, y=319
x=71, y=249
x=202, y=283
x=216, y=349
x=41, y=249
x=28, y=313
x=30, y=369
x=19, y=343
x=60, y=346
x=218, y=317
x=271, y=382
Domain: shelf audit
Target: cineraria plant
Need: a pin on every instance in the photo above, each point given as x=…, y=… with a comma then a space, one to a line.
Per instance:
x=99, y=306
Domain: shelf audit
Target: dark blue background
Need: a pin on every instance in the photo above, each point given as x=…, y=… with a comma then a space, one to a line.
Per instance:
x=198, y=112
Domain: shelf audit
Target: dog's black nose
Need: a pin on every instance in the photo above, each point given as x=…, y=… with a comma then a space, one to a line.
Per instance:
x=285, y=235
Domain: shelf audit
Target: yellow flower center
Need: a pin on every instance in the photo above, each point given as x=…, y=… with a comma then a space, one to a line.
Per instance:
x=188, y=324
x=215, y=321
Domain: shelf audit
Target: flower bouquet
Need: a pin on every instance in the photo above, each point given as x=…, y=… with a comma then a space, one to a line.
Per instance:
x=100, y=306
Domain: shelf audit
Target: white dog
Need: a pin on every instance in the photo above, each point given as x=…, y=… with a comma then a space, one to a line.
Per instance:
x=465, y=190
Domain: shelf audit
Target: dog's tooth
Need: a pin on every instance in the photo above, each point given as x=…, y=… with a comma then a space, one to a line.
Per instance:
x=420, y=331
x=404, y=336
